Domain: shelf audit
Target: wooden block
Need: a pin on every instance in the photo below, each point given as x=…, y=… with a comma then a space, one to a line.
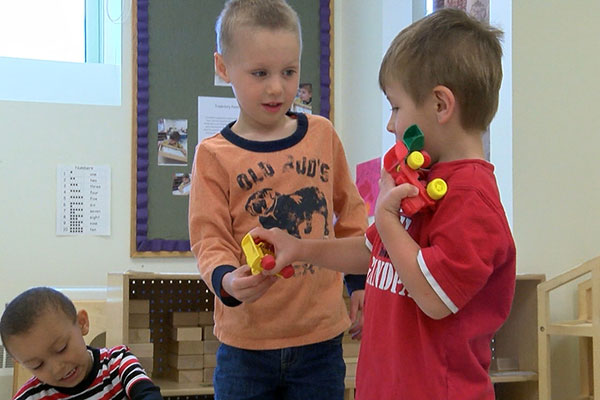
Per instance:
x=186, y=333
x=181, y=318
x=139, y=321
x=205, y=318
x=141, y=350
x=351, y=349
x=195, y=361
x=211, y=346
x=210, y=360
x=209, y=332
x=139, y=335
x=147, y=364
x=208, y=374
x=139, y=306
x=186, y=376
x=186, y=347
x=504, y=364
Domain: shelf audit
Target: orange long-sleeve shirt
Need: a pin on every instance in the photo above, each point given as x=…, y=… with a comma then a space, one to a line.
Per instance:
x=301, y=184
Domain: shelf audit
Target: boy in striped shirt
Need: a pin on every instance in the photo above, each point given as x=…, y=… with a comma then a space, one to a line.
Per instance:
x=41, y=329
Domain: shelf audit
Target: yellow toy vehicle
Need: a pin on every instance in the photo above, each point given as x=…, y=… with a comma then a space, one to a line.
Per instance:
x=260, y=255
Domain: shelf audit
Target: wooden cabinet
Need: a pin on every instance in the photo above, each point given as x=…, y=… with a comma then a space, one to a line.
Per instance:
x=585, y=326
x=165, y=293
x=514, y=347
x=514, y=368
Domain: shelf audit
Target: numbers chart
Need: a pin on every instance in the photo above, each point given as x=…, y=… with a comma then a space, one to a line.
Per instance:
x=83, y=200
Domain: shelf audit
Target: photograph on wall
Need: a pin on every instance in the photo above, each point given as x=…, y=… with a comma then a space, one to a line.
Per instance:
x=480, y=9
x=303, y=101
x=181, y=185
x=172, y=141
x=219, y=81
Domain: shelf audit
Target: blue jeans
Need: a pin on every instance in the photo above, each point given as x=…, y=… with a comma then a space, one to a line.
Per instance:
x=314, y=372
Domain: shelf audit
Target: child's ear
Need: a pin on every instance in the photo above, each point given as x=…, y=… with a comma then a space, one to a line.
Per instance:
x=83, y=321
x=220, y=67
x=445, y=103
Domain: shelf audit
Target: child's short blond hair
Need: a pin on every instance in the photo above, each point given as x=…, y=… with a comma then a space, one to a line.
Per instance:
x=452, y=49
x=270, y=14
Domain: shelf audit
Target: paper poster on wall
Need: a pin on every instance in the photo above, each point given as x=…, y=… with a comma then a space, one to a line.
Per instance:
x=214, y=113
x=367, y=182
x=220, y=82
x=82, y=200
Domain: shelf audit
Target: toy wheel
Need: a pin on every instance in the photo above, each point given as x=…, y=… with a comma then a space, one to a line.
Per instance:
x=268, y=262
x=415, y=160
x=287, y=271
x=437, y=188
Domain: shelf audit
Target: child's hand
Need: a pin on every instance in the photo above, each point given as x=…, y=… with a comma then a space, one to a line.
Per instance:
x=246, y=287
x=390, y=195
x=357, y=301
x=285, y=246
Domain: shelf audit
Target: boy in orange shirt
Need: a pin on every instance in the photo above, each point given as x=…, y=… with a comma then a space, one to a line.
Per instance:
x=281, y=338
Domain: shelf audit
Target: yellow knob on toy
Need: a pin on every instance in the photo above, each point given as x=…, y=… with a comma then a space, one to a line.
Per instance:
x=415, y=160
x=437, y=188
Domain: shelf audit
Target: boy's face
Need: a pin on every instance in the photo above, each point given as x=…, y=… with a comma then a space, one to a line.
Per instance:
x=404, y=113
x=53, y=349
x=263, y=66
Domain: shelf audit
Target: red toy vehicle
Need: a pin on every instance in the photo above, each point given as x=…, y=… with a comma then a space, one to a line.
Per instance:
x=260, y=255
x=403, y=162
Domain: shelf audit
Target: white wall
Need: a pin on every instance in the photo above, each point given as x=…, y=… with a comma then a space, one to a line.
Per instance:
x=37, y=137
x=556, y=91
x=357, y=98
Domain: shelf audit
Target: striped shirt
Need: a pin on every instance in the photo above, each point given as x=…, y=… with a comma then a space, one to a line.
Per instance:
x=116, y=374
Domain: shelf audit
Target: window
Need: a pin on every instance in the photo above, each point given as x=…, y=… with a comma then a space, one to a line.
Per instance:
x=64, y=51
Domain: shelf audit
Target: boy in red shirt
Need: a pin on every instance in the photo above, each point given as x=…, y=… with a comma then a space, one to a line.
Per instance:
x=441, y=282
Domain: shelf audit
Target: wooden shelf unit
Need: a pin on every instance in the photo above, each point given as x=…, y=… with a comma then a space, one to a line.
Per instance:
x=586, y=326
x=167, y=292
x=516, y=342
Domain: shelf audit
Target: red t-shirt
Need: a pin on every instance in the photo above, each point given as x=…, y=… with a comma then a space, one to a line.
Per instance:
x=468, y=256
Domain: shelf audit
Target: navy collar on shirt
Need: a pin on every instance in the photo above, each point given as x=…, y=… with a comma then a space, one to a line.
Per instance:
x=272, y=145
